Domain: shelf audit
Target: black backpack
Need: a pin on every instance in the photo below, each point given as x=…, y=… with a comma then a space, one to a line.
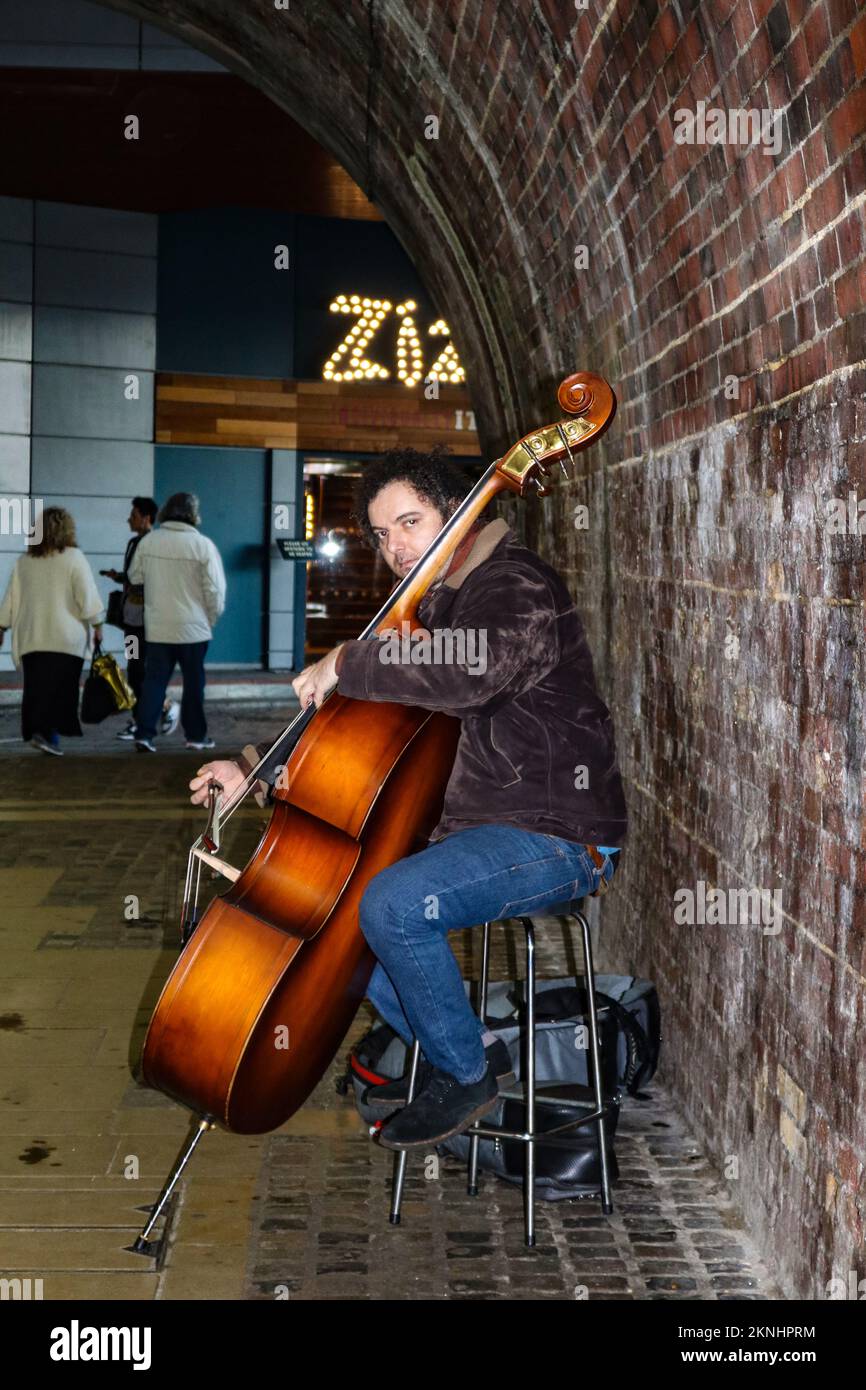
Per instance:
x=566, y=1166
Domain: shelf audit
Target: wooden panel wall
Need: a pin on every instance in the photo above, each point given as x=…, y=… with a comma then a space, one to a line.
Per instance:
x=357, y=418
x=225, y=410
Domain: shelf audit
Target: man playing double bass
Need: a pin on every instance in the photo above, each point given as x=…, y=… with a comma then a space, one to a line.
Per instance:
x=534, y=811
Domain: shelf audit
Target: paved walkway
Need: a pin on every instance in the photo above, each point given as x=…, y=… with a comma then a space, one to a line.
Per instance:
x=92, y=853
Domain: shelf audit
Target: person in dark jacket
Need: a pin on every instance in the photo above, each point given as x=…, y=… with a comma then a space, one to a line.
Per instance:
x=534, y=811
x=142, y=515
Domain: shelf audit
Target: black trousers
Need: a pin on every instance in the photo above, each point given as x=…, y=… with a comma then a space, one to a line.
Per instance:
x=51, y=693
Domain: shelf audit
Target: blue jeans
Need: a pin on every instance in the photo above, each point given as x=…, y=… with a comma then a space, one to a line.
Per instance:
x=472, y=876
x=159, y=663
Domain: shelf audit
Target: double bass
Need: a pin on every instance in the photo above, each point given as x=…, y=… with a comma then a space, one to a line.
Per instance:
x=271, y=974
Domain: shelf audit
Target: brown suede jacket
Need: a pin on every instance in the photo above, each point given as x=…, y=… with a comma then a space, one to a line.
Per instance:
x=508, y=657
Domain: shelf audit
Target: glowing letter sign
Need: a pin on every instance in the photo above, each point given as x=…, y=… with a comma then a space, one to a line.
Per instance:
x=351, y=360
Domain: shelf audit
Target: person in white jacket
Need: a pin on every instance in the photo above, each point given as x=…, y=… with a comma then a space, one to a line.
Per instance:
x=51, y=602
x=184, y=595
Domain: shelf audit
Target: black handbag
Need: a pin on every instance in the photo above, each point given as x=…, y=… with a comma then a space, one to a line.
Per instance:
x=114, y=612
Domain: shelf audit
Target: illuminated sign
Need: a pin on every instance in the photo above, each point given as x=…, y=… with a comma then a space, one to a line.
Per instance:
x=351, y=360
x=408, y=345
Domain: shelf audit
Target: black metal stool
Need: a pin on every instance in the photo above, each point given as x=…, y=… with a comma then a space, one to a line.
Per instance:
x=530, y=1135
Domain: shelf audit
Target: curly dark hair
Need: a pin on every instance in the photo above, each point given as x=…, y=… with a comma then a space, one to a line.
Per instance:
x=436, y=477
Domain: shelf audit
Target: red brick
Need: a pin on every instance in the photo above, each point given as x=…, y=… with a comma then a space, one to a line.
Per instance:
x=816, y=31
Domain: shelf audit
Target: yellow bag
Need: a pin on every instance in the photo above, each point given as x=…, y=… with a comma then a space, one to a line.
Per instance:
x=106, y=689
x=107, y=667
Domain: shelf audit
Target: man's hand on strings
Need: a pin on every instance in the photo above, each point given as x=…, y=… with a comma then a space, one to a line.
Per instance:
x=314, y=682
x=228, y=773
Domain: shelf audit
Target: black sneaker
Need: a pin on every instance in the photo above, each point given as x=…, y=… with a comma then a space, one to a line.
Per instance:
x=45, y=746
x=395, y=1093
x=443, y=1108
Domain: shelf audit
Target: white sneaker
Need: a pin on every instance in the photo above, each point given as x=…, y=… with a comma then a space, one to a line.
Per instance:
x=127, y=734
x=38, y=741
x=170, y=718
x=206, y=742
x=145, y=745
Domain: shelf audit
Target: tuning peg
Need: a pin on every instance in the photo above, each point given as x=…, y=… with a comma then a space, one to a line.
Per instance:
x=569, y=429
x=540, y=489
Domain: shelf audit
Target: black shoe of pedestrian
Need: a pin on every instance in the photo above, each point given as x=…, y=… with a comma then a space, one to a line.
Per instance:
x=443, y=1108
x=45, y=746
x=396, y=1093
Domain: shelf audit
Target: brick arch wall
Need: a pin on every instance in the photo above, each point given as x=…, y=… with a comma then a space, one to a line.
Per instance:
x=723, y=296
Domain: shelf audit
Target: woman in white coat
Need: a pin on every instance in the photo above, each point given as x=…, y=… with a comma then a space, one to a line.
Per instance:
x=50, y=601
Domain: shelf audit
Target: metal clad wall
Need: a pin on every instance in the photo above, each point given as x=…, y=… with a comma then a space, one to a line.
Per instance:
x=88, y=286
x=75, y=34
x=94, y=329
x=16, y=352
x=225, y=306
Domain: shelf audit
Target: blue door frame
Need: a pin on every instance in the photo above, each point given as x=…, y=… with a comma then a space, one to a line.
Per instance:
x=232, y=486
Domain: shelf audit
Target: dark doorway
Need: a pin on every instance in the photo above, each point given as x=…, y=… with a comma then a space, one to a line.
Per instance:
x=347, y=582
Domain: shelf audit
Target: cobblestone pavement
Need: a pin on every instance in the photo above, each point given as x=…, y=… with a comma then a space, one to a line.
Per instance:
x=301, y=1212
x=322, y=1226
